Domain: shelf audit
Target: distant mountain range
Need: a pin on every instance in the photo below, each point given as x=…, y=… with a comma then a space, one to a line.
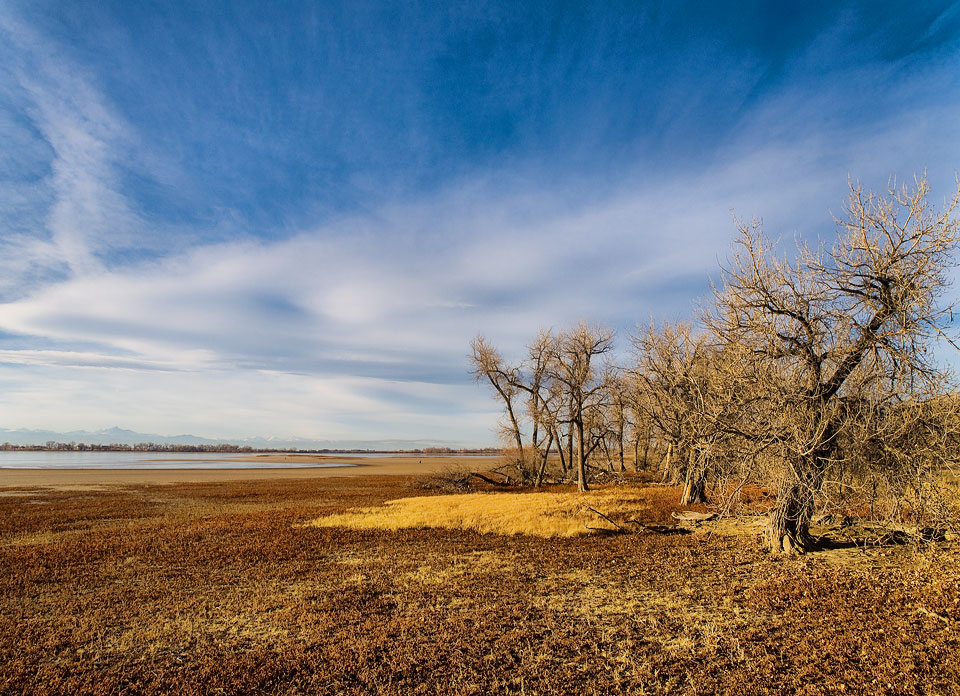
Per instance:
x=121, y=436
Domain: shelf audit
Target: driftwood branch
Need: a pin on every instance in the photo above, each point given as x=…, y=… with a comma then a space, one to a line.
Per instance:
x=597, y=512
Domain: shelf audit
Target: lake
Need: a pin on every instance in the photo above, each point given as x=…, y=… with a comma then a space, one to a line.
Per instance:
x=149, y=460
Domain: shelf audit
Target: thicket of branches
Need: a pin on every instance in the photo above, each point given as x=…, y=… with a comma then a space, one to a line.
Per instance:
x=812, y=377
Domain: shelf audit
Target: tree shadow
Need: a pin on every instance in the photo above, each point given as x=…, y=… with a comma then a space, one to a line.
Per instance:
x=877, y=539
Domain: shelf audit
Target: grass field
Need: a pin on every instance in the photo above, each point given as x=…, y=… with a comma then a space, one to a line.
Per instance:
x=227, y=588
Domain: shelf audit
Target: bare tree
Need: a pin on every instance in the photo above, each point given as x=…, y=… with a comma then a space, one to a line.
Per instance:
x=543, y=401
x=619, y=400
x=642, y=429
x=574, y=366
x=920, y=443
x=489, y=364
x=898, y=460
x=560, y=391
x=693, y=396
x=664, y=361
x=852, y=322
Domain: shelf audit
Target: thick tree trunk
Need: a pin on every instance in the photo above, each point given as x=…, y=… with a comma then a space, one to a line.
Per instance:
x=788, y=529
x=678, y=470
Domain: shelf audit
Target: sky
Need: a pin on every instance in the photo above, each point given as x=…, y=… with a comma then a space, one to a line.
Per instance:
x=240, y=219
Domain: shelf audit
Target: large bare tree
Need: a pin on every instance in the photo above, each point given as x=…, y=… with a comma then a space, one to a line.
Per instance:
x=832, y=327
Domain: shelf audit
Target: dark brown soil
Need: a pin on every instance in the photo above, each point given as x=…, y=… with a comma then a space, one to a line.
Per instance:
x=215, y=589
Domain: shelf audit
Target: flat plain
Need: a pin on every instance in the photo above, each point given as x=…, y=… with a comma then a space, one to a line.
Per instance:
x=227, y=586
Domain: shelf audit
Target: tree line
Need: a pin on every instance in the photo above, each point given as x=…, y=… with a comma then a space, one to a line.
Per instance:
x=812, y=377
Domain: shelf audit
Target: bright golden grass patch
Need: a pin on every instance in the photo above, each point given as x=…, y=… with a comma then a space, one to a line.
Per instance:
x=544, y=514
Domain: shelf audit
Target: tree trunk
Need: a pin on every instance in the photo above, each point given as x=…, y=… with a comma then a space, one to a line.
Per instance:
x=564, y=467
x=602, y=444
x=666, y=460
x=508, y=402
x=623, y=467
x=695, y=483
x=543, y=462
x=678, y=470
x=581, y=461
x=646, y=447
x=788, y=529
x=536, y=420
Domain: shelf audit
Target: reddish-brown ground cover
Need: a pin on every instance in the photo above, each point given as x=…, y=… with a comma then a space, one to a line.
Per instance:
x=216, y=589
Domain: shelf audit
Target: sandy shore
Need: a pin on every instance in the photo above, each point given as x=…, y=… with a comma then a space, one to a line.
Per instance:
x=352, y=466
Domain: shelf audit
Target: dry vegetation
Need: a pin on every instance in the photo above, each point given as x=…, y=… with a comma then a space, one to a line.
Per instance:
x=221, y=588
x=544, y=514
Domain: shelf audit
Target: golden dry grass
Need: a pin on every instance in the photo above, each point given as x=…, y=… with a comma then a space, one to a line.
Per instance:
x=544, y=514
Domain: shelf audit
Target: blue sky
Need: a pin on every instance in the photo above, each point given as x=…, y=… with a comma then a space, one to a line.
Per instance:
x=289, y=219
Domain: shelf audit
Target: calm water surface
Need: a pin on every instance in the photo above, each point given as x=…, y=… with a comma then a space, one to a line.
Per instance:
x=143, y=460
x=175, y=460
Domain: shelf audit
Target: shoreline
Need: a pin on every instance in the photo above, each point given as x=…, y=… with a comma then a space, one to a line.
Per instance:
x=42, y=477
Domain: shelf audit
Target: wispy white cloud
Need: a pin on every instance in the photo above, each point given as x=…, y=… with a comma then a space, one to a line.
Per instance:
x=86, y=214
x=71, y=358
